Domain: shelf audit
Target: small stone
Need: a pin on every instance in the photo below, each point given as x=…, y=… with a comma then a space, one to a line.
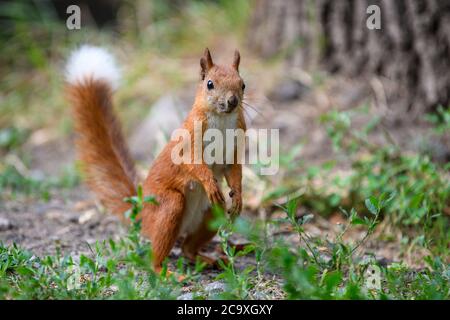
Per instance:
x=61, y=216
x=215, y=287
x=186, y=296
x=54, y=214
x=260, y=296
x=5, y=224
x=325, y=258
x=86, y=216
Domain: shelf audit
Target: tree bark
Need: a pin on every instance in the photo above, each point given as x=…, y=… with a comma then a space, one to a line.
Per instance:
x=410, y=54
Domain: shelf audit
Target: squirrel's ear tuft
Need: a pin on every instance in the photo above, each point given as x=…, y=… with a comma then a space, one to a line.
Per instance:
x=236, y=60
x=206, y=63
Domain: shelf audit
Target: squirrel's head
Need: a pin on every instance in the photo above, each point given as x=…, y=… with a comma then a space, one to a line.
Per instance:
x=222, y=87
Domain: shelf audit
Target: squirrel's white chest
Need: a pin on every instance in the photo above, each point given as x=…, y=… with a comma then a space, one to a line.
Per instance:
x=195, y=204
x=222, y=122
x=196, y=200
x=218, y=126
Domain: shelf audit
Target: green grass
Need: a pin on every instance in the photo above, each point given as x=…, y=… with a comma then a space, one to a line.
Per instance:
x=121, y=269
x=422, y=186
x=14, y=184
x=117, y=270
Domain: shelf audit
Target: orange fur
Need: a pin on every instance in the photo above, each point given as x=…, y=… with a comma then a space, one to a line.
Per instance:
x=111, y=175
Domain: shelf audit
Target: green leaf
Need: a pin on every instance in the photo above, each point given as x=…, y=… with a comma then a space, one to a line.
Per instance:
x=416, y=201
x=372, y=205
x=89, y=263
x=247, y=249
x=332, y=280
x=386, y=198
x=139, y=191
x=291, y=208
x=150, y=199
x=357, y=220
x=24, y=271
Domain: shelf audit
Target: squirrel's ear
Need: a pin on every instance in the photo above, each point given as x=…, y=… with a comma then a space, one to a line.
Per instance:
x=236, y=60
x=206, y=63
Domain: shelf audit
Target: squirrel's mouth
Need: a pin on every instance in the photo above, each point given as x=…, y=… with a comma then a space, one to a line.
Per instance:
x=226, y=111
x=225, y=108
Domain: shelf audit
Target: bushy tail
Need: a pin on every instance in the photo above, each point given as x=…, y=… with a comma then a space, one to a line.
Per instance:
x=92, y=75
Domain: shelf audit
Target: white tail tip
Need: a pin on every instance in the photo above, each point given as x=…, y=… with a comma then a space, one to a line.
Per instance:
x=92, y=62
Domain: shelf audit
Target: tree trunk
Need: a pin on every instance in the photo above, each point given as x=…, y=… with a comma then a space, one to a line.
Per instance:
x=410, y=54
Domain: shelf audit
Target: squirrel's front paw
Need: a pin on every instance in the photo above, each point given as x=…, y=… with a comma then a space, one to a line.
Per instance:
x=236, y=205
x=215, y=195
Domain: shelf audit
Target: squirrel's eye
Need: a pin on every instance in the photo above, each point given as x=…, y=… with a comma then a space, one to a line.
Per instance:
x=243, y=86
x=210, y=85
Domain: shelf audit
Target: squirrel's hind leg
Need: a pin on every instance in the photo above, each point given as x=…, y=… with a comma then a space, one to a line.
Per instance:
x=195, y=241
x=163, y=224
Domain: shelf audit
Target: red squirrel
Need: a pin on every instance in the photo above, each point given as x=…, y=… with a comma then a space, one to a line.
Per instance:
x=185, y=192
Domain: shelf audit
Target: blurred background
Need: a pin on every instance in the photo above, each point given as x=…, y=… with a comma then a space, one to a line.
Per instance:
x=360, y=111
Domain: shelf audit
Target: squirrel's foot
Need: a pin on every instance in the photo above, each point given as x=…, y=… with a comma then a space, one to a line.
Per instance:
x=210, y=260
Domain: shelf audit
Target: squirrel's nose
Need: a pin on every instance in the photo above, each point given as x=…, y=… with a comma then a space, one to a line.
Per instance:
x=232, y=101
